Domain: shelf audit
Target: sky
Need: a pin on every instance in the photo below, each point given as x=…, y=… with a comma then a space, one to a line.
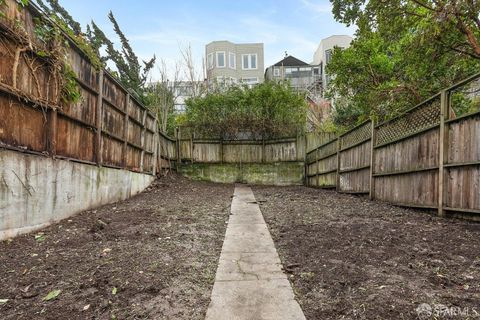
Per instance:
x=163, y=27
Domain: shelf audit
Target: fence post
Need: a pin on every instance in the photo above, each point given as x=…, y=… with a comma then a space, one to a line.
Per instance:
x=125, y=130
x=221, y=149
x=156, y=140
x=443, y=149
x=263, y=149
x=142, y=139
x=98, y=120
x=339, y=146
x=372, y=160
x=192, y=136
x=179, y=156
x=305, y=166
x=52, y=133
x=317, y=157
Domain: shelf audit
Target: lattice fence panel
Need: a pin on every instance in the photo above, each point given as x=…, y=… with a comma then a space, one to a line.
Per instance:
x=360, y=134
x=416, y=120
x=466, y=98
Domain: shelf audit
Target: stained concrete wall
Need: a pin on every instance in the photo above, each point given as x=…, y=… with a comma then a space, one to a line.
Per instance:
x=37, y=191
x=278, y=174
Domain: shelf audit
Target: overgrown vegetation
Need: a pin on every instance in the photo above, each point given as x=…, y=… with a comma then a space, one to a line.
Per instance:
x=403, y=52
x=48, y=51
x=128, y=69
x=268, y=110
x=57, y=31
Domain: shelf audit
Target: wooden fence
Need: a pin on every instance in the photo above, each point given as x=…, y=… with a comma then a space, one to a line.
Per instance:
x=167, y=152
x=241, y=151
x=423, y=158
x=107, y=127
x=315, y=139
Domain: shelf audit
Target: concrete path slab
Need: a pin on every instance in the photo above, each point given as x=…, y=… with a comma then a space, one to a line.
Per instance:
x=250, y=283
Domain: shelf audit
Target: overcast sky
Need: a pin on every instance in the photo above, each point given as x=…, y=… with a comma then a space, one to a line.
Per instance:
x=160, y=27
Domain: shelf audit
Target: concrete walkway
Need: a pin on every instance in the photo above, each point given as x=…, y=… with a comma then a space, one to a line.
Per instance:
x=250, y=283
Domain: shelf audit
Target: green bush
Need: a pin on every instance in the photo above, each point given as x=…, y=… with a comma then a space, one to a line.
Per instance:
x=269, y=110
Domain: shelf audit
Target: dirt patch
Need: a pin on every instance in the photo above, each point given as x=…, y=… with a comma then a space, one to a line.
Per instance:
x=350, y=258
x=153, y=256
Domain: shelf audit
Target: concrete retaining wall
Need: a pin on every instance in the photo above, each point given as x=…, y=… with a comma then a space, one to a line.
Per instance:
x=37, y=191
x=279, y=173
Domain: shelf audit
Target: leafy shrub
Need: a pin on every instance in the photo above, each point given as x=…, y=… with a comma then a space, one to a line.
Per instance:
x=268, y=110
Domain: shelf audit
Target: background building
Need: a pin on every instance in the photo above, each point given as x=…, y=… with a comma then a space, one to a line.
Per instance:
x=306, y=79
x=228, y=63
x=325, y=50
x=301, y=75
x=184, y=90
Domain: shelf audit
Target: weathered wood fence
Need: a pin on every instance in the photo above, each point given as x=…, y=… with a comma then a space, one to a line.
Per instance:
x=197, y=150
x=242, y=160
x=423, y=158
x=108, y=127
x=167, y=152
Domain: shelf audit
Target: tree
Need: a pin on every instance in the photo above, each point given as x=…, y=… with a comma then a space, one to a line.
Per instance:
x=191, y=73
x=453, y=24
x=130, y=72
x=54, y=8
x=162, y=95
x=404, y=52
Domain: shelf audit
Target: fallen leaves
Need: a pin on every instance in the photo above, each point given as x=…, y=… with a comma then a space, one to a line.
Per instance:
x=40, y=237
x=52, y=295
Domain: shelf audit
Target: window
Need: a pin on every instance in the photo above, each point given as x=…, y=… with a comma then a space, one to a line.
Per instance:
x=221, y=59
x=180, y=108
x=249, y=61
x=232, y=63
x=250, y=82
x=290, y=70
x=276, y=72
x=328, y=55
x=210, y=61
x=184, y=90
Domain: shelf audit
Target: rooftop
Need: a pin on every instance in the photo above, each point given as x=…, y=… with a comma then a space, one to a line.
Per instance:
x=290, y=61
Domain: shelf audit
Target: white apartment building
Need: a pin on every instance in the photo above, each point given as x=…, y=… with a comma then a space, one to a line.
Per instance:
x=229, y=63
x=325, y=50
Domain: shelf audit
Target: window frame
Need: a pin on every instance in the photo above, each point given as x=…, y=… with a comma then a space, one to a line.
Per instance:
x=224, y=59
x=230, y=60
x=250, y=78
x=328, y=55
x=210, y=61
x=249, y=55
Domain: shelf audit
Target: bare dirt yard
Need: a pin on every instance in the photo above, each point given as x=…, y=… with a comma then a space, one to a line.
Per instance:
x=153, y=256
x=350, y=258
